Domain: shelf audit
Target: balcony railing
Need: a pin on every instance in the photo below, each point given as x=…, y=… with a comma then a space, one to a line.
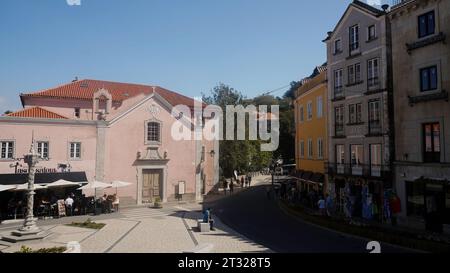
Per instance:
x=373, y=82
x=339, y=129
x=338, y=91
x=359, y=170
x=374, y=127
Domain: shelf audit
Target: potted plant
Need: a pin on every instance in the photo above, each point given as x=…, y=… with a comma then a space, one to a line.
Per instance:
x=158, y=203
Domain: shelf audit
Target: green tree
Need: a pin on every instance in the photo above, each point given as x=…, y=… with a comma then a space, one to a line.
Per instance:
x=240, y=155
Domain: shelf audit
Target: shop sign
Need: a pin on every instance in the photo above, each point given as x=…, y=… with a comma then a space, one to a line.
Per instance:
x=38, y=170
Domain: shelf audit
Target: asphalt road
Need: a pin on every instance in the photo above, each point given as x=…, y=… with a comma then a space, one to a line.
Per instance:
x=250, y=213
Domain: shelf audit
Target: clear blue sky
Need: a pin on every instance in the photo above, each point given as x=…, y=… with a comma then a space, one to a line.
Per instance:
x=187, y=46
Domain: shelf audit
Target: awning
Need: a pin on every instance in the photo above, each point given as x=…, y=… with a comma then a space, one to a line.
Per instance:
x=42, y=178
x=310, y=177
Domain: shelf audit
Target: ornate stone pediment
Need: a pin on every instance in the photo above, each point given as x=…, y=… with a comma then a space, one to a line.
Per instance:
x=152, y=155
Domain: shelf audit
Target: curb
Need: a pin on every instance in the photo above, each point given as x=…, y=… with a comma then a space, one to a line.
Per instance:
x=289, y=212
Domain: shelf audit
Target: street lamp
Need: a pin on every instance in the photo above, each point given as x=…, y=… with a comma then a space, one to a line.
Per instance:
x=29, y=230
x=29, y=225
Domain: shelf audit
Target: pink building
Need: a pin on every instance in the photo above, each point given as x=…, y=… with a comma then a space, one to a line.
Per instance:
x=106, y=131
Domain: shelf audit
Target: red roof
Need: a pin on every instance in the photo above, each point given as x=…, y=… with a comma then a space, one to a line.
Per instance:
x=85, y=89
x=36, y=112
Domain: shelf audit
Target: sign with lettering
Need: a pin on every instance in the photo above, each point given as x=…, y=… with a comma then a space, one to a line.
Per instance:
x=61, y=208
x=38, y=170
x=181, y=187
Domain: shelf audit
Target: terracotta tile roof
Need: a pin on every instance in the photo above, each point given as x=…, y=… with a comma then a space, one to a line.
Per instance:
x=85, y=89
x=36, y=112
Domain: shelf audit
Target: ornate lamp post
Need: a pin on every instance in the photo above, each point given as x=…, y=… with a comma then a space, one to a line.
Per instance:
x=29, y=225
x=29, y=230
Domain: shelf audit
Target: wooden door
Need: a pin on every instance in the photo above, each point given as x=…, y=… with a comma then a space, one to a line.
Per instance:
x=151, y=185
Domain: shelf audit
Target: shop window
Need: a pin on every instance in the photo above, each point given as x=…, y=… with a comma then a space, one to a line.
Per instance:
x=357, y=159
x=415, y=192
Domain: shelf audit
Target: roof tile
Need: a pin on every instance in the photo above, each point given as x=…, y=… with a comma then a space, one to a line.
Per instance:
x=36, y=112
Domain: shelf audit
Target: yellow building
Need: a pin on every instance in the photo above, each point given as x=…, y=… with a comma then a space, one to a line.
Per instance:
x=311, y=130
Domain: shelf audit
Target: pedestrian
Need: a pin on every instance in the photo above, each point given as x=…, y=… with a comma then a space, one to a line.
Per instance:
x=225, y=186
x=249, y=180
x=329, y=204
x=207, y=217
x=231, y=187
x=322, y=206
x=242, y=182
x=69, y=204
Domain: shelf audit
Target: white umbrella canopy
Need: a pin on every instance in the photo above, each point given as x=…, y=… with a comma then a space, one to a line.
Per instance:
x=120, y=184
x=62, y=184
x=7, y=187
x=95, y=185
x=24, y=187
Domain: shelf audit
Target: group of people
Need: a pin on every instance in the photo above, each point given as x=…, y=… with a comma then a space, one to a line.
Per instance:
x=244, y=182
x=51, y=205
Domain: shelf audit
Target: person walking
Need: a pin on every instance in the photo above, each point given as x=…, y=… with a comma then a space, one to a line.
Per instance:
x=231, y=187
x=69, y=204
x=321, y=205
x=225, y=186
x=329, y=205
x=242, y=182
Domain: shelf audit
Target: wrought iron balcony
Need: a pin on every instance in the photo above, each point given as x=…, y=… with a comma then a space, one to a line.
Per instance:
x=374, y=127
x=358, y=170
x=339, y=130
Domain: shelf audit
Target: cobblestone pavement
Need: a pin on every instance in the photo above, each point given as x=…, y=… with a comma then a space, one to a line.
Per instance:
x=172, y=229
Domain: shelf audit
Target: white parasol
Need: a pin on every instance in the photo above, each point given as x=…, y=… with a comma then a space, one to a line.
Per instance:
x=7, y=187
x=24, y=187
x=63, y=184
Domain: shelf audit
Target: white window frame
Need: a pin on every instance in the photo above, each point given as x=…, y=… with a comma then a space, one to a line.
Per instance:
x=309, y=110
x=319, y=107
x=76, y=148
x=356, y=36
x=302, y=114
x=373, y=71
x=310, y=148
x=340, y=154
x=336, y=51
x=7, y=143
x=375, y=33
x=147, y=140
x=320, y=148
x=302, y=149
x=41, y=154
